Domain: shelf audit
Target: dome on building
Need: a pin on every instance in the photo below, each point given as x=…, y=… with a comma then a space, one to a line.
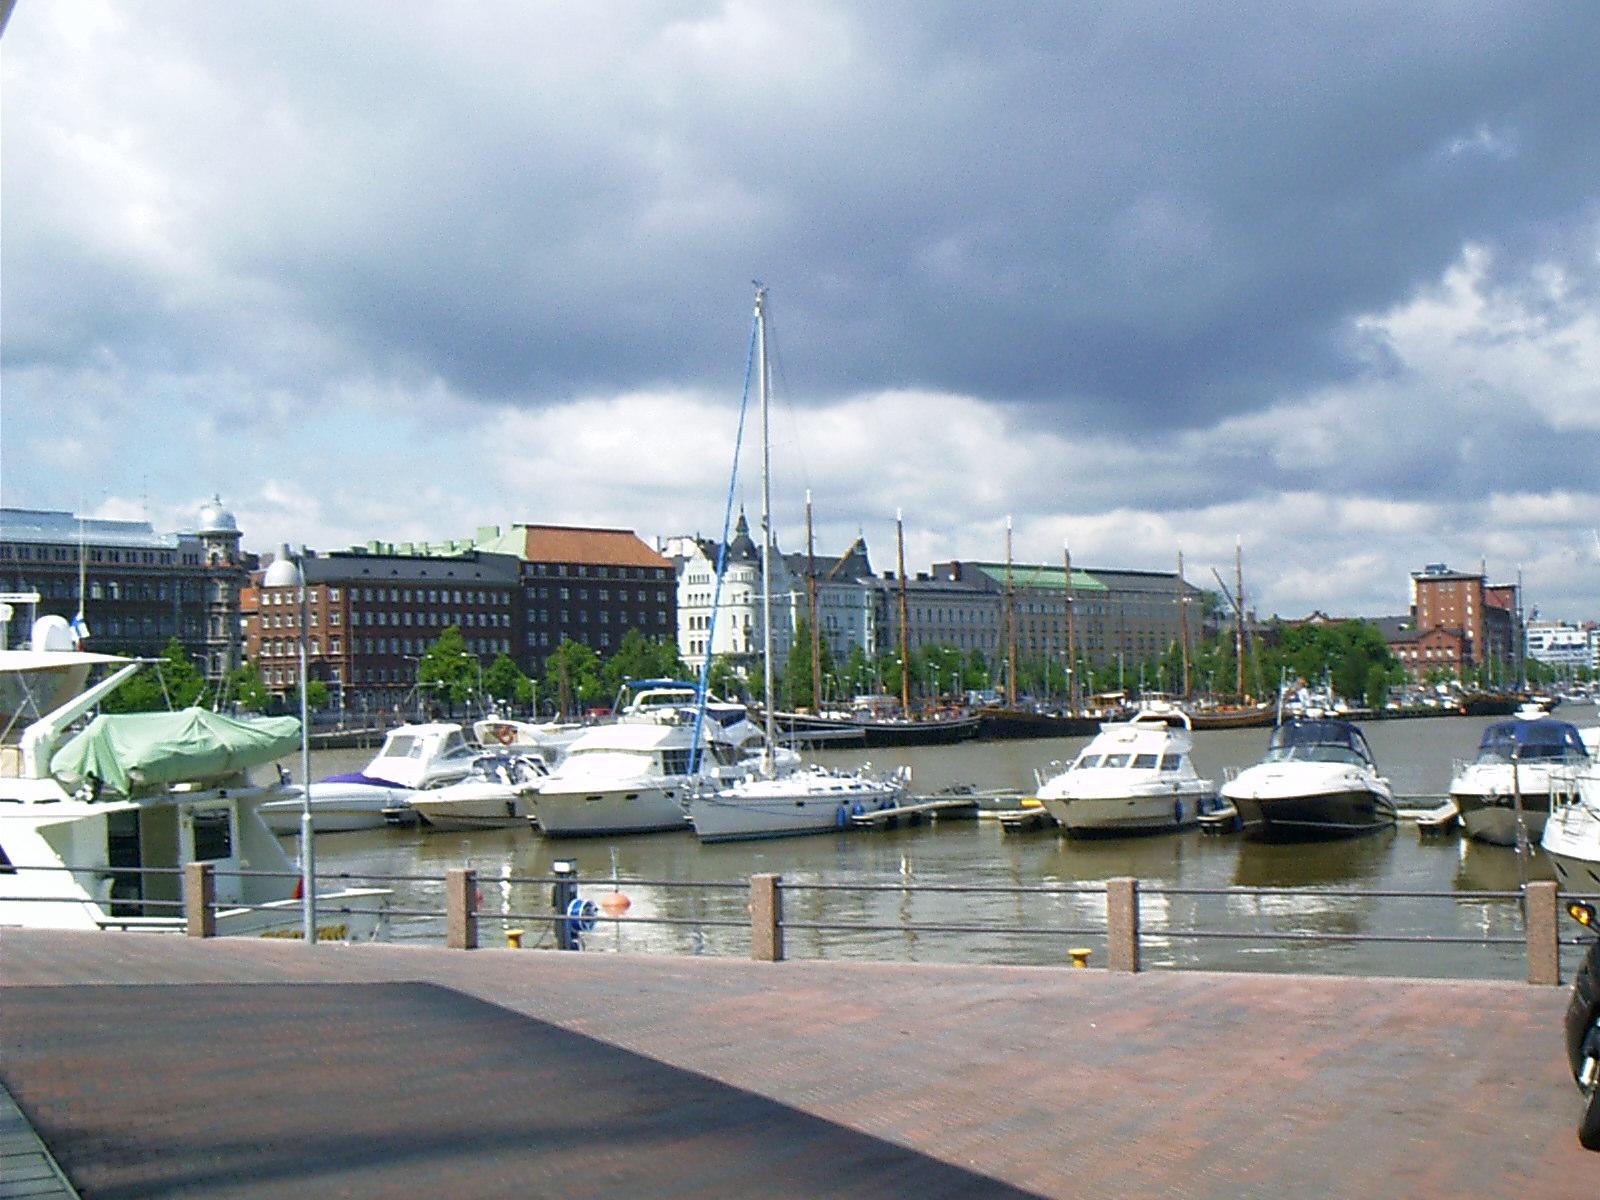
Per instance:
x=743, y=546
x=214, y=518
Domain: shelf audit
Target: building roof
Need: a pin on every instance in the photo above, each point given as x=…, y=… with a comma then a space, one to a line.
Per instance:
x=35, y=526
x=572, y=544
x=364, y=567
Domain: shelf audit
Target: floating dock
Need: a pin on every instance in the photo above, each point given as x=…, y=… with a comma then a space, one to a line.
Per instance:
x=951, y=808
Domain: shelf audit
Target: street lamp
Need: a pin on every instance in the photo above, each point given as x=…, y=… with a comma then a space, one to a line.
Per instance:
x=286, y=571
x=477, y=662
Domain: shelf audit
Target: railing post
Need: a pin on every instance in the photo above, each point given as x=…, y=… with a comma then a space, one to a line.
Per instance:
x=460, y=909
x=766, y=919
x=1122, y=924
x=199, y=900
x=1541, y=909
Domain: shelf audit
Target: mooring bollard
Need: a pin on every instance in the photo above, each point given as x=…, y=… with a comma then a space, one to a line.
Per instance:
x=766, y=919
x=1122, y=924
x=1541, y=922
x=513, y=939
x=199, y=900
x=1079, y=956
x=460, y=909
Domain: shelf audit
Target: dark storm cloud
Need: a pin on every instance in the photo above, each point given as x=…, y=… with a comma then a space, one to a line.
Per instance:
x=1154, y=215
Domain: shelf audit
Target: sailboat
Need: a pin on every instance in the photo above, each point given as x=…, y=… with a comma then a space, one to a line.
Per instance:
x=776, y=802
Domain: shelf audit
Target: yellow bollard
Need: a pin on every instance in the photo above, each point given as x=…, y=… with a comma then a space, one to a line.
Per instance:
x=1079, y=956
x=513, y=939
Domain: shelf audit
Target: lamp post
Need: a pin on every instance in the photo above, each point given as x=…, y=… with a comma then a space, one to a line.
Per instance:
x=477, y=662
x=287, y=571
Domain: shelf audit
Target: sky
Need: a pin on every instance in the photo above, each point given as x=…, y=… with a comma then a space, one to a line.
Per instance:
x=1320, y=280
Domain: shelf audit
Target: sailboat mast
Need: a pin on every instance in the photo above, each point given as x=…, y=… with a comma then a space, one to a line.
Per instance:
x=1072, y=647
x=1238, y=614
x=1011, y=629
x=1183, y=624
x=905, y=639
x=764, y=382
x=811, y=608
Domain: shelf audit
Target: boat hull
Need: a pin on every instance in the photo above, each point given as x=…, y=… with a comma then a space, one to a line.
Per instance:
x=1347, y=812
x=884, y=735
x=728, y=817
x=490, y=808
x=1493, y=818
x=335, y=808
x=1006, y=724
x=1110, y=816
x=598, y=812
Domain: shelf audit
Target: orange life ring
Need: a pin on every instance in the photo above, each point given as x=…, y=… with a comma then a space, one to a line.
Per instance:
x=505, y=734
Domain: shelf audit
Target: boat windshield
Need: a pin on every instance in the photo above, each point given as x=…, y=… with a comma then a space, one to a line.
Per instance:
x=1319, y=741
x=401, y=745
x=1542, y=740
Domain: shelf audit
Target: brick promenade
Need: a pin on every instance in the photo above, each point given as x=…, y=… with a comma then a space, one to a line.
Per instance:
x=414, y=1071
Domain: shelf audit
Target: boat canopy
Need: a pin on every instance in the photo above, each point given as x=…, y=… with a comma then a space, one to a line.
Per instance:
x=1538, y=739
x=129, y=751
x=1318, y=740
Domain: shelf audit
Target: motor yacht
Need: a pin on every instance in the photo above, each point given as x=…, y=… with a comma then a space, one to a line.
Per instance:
x=1135, y=776
x=496, y=793
x=1510, y=778
x=633, y=776
x=1571, y=838
x=412, y=758
x=1318, y=780
x=96, y=827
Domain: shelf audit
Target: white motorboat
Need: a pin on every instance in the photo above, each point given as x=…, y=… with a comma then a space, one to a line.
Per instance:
x=780, y=800
x=547, y=739
x=631, y=776
x=412, y=758
x=1135, y=776
x=1318, y=780
x=496, y=793
x=96, y=829
x=1571, y=838
x=1511, y=777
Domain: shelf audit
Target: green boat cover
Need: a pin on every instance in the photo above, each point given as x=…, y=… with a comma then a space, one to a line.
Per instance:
x=131, y=751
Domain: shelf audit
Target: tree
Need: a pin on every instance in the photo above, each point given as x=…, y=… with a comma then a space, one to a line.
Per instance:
x=796, y=682
x=572, y=677
x=244, y=688
x=504, y=680
x=171, y=682
x=316, y=696
x=446, y=671
x=639, y=657
x=725, y=678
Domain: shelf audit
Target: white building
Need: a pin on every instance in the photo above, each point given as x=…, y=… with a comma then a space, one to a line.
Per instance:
x=1562, y=644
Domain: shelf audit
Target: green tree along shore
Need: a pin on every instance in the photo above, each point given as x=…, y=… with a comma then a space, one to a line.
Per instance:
x=1349, y=655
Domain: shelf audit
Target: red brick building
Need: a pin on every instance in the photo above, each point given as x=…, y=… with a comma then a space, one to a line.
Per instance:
x=1485, y=617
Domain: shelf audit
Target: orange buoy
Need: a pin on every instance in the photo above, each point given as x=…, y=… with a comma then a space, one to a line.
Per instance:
x=614, y=904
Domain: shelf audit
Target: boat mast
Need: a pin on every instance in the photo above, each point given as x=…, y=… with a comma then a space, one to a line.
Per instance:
x=905, y=641
x=764, y=382
x=1183, y=624
x=1072, y=648
x=811, y=608
x=1238, y=615
x=1011, y=628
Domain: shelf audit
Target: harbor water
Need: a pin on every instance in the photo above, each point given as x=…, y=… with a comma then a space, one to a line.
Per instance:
x=1322, y=893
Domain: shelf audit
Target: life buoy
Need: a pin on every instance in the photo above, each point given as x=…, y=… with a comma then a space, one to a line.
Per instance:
x=504, y=734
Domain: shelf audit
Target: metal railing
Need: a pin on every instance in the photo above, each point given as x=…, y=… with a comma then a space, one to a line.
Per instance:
x=1124, y=934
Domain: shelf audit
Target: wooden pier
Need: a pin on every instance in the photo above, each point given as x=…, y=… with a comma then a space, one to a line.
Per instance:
x=918, y=810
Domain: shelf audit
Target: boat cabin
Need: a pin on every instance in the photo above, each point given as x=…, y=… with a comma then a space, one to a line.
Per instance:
x=1541, y=740
x=1319, y=739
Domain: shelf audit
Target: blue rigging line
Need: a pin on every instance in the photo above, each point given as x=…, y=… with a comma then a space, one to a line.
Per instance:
x=722, y=557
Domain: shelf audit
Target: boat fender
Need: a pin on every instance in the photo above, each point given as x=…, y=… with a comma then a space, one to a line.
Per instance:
x=856, y=809
x=1177, y=812
x=581, y=914
x=839, y=817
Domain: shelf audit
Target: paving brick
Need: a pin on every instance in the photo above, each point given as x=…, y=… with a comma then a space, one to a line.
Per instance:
x=1056, y=1082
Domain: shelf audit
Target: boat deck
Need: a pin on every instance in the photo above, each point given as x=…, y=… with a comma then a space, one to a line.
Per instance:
x=259, y=1068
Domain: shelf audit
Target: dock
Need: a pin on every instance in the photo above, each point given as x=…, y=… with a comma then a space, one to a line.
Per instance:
x=1027, y=817
x=918, y=810
x=265, y=1070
